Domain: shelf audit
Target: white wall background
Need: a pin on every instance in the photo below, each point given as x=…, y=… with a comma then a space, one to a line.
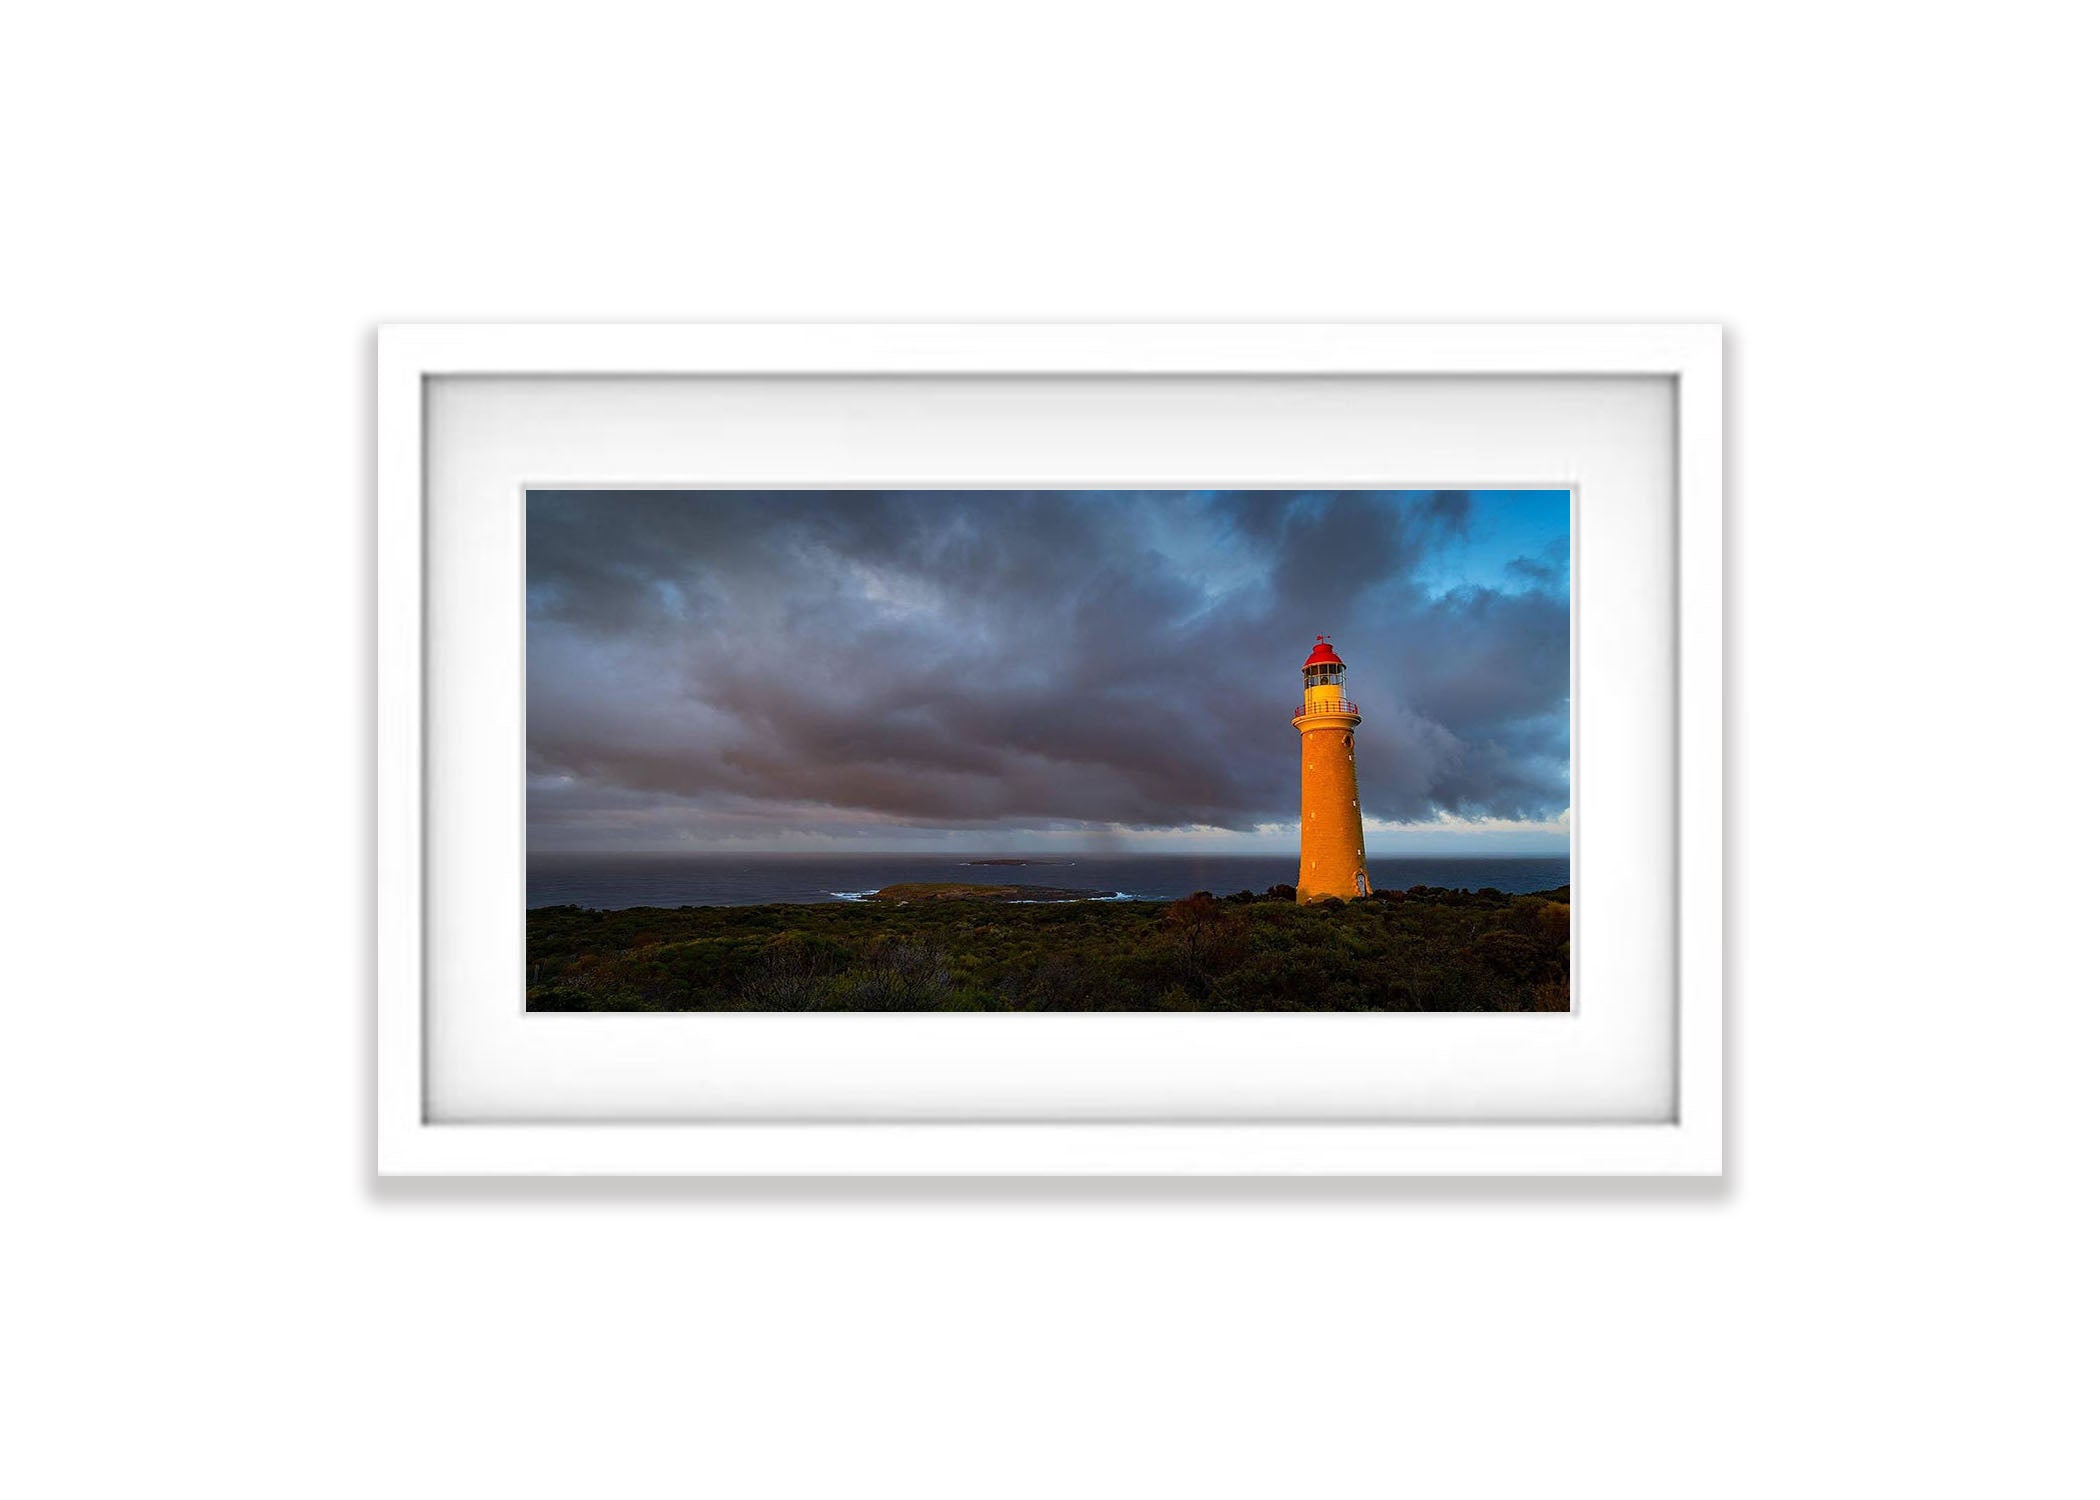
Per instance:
x=1892, y=208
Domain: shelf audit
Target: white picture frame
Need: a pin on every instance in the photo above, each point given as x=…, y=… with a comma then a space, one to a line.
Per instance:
x=1685, y=1140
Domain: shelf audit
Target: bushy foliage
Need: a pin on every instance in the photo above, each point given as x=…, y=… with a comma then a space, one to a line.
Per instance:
x=1424, y=949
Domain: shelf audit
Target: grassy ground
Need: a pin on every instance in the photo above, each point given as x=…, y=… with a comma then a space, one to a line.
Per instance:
x=1426, y=949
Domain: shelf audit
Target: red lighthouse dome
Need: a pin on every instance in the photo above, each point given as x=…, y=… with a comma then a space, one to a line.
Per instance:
x=1323, y=654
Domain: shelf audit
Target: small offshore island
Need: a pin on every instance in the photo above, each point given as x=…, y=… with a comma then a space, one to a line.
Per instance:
x=962, y=890
x=963, y=946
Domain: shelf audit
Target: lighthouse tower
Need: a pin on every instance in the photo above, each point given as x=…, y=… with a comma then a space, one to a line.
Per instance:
x=1331, y=835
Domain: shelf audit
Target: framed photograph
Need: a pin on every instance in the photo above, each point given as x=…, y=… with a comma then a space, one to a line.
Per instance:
x=1050, y=749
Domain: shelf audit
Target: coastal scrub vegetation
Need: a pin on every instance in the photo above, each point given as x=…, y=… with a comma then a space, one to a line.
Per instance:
x=1425, y=949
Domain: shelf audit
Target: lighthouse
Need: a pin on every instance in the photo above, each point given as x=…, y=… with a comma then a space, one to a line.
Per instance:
x=1331, y=830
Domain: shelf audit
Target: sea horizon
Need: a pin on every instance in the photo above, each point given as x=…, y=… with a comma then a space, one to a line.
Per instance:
x=614, y=881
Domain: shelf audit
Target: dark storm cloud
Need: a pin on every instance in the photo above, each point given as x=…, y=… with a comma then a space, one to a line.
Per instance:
x=744, y=664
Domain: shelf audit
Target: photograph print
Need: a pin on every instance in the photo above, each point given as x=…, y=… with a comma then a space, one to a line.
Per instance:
x=1048, y=750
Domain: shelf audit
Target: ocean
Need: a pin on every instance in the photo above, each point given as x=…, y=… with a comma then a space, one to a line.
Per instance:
x=618, y=880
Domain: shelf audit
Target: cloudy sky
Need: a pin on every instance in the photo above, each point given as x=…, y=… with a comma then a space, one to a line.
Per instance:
x=1015, y=671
